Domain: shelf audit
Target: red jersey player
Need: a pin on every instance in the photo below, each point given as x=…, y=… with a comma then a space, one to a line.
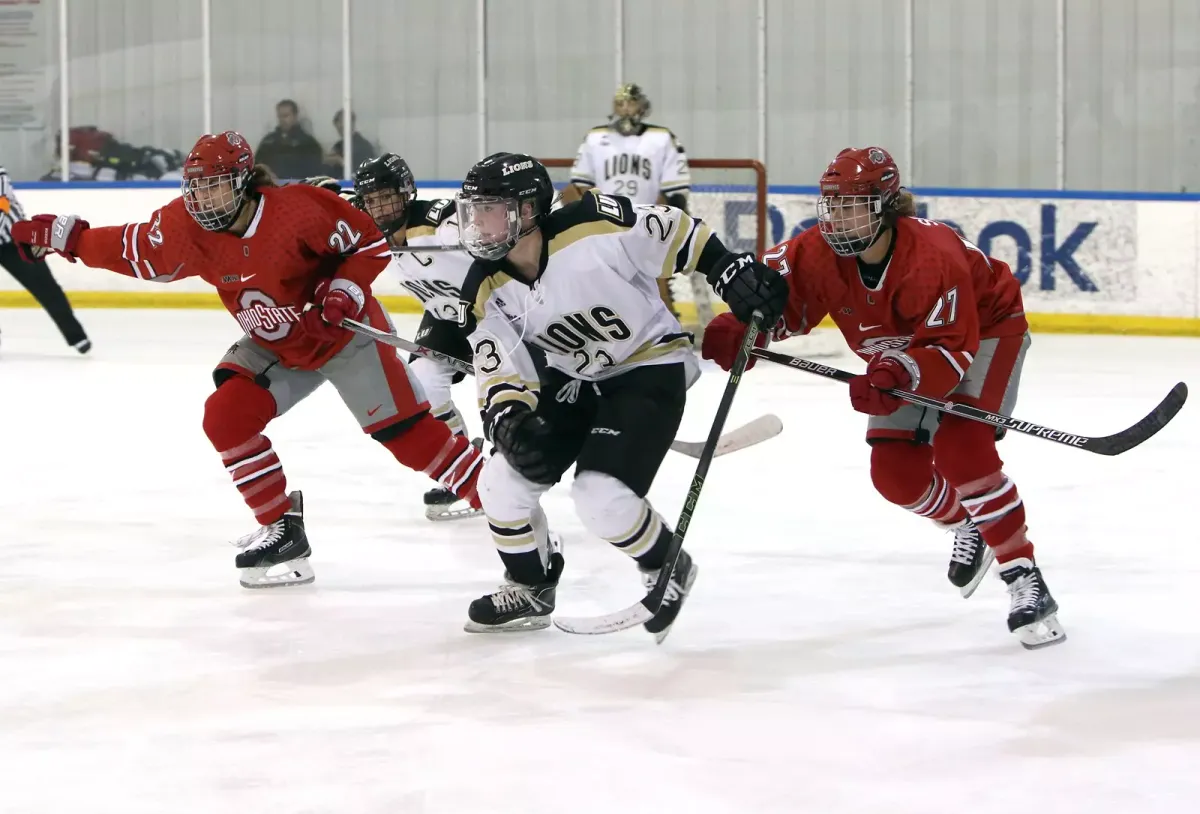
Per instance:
x=932, y=313
x=270, y=251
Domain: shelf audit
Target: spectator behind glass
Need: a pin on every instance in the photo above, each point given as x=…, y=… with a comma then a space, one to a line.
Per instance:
x=336, y=157
x=288, y=150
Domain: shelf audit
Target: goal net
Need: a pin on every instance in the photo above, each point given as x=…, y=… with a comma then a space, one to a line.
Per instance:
x=730, y=195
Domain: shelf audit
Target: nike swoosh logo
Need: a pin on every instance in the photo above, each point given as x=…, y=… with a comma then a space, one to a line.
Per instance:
x=248, y=276
x=862, y=327
x=373, y=412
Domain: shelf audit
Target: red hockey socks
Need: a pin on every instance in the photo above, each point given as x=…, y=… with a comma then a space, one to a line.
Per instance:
x=904, y=474
x=234, y=417
x=966, y=454
x=452, y=460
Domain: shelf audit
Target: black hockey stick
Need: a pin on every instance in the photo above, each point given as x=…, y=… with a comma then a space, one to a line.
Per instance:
x=643, y=611
x=1114, y=444
x=760, y=429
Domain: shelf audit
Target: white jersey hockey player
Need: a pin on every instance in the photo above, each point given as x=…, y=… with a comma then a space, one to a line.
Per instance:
x=645, y=163
x=579, y=283
x=385, y=188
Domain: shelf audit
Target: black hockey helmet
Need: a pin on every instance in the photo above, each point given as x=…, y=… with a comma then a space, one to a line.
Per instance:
x=385, y=187
x=492, y=214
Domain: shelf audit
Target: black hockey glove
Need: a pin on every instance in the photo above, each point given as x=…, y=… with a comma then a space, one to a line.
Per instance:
x=747, y=286
x=525, y=440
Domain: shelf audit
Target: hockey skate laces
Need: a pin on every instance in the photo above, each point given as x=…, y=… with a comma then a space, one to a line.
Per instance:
x=965, y=543
x=510, y=597
x=1024, y=591
x=261, y=537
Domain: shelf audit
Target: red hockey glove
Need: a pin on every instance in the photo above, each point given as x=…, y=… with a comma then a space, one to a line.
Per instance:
x=56, y=233
x=336, y=299
x=723, y=339
x=866, y=391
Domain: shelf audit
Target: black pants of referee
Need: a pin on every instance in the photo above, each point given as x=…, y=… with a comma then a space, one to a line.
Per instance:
x=38, y=281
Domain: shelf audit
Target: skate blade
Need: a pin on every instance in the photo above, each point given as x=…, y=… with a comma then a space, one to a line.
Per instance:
x=1041, y=634
x=687, y=591
x=287, y=574
x=440, y=514
x=516, y=626
x=988, y=558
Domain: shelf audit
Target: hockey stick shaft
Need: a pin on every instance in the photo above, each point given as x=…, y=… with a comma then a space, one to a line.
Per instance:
x=429, y=249
x=644, y=610
x=757, y=431
x=1113, y=444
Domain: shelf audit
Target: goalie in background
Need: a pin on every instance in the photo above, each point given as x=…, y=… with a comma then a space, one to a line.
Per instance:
x=641, y=161
x=929, y=312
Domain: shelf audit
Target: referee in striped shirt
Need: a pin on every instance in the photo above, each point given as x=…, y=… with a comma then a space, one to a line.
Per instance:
x=36, y=276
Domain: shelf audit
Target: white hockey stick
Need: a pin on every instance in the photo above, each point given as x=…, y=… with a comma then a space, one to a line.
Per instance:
x=763, y=428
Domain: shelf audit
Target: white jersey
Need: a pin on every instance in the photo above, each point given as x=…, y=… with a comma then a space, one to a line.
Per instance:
x=641, y=167
x=594, y=308
x=436, y=278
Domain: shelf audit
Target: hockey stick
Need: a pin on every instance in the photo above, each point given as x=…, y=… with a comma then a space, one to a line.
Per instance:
x=1114, y=444
x=760, y=429
x=763, y=428
x=457, y=247
x=643, y=611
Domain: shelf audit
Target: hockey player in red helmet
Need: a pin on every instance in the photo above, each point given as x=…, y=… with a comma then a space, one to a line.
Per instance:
x=928, y=311
x=289, y=263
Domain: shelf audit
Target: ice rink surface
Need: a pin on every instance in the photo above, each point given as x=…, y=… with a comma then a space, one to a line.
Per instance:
x=824, y=664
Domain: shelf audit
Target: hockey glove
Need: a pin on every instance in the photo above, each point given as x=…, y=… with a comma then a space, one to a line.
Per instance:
x=524, y=439
x=723, y=339
x=336, y=299
x=747, y=286
x=42, y=233
x=866, y=391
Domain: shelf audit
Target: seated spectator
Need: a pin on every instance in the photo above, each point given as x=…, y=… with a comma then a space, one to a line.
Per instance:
x=336, y=157
x=288, y=150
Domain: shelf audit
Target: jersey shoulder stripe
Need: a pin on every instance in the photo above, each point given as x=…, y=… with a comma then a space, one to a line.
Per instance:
x=483, y=278
x=593, y=214
x=425, y=216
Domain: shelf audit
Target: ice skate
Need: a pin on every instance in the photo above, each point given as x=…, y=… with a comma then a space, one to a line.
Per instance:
x=677, y=592
x=1033, y=613
x=277, y=555
x=970, y=559
x=518, y=607
x=441, y=504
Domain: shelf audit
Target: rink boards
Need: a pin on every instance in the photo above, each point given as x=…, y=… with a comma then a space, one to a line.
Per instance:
x=1088, y=264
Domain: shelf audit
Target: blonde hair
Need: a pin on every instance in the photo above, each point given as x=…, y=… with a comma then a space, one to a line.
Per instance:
x=903, y=205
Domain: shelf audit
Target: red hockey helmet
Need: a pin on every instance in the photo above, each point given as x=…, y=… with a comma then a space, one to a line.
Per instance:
x=856, y=189
x=216, y=176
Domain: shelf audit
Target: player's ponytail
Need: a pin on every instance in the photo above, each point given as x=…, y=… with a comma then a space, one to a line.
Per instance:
x=904, y=205
x=261, y=176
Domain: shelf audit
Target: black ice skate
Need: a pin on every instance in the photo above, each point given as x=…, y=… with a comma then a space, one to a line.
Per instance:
x=281, y=547
x=677, y=591
x=442, y=504
x=1033, y=613
x=970, y=559
x=518, y=607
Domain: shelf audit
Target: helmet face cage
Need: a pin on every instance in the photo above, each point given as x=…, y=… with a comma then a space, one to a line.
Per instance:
x=488, y=225
x=214, y=201
x=628, y=123
x=850, y=223
x=385, y=187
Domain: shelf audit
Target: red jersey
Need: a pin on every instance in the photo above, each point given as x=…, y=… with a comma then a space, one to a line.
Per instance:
x=299, y=234
x=938, y=296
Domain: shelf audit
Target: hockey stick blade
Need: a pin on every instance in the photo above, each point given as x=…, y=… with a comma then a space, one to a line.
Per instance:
x=763, y=428
x=643, y=611
x=1114, y=444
